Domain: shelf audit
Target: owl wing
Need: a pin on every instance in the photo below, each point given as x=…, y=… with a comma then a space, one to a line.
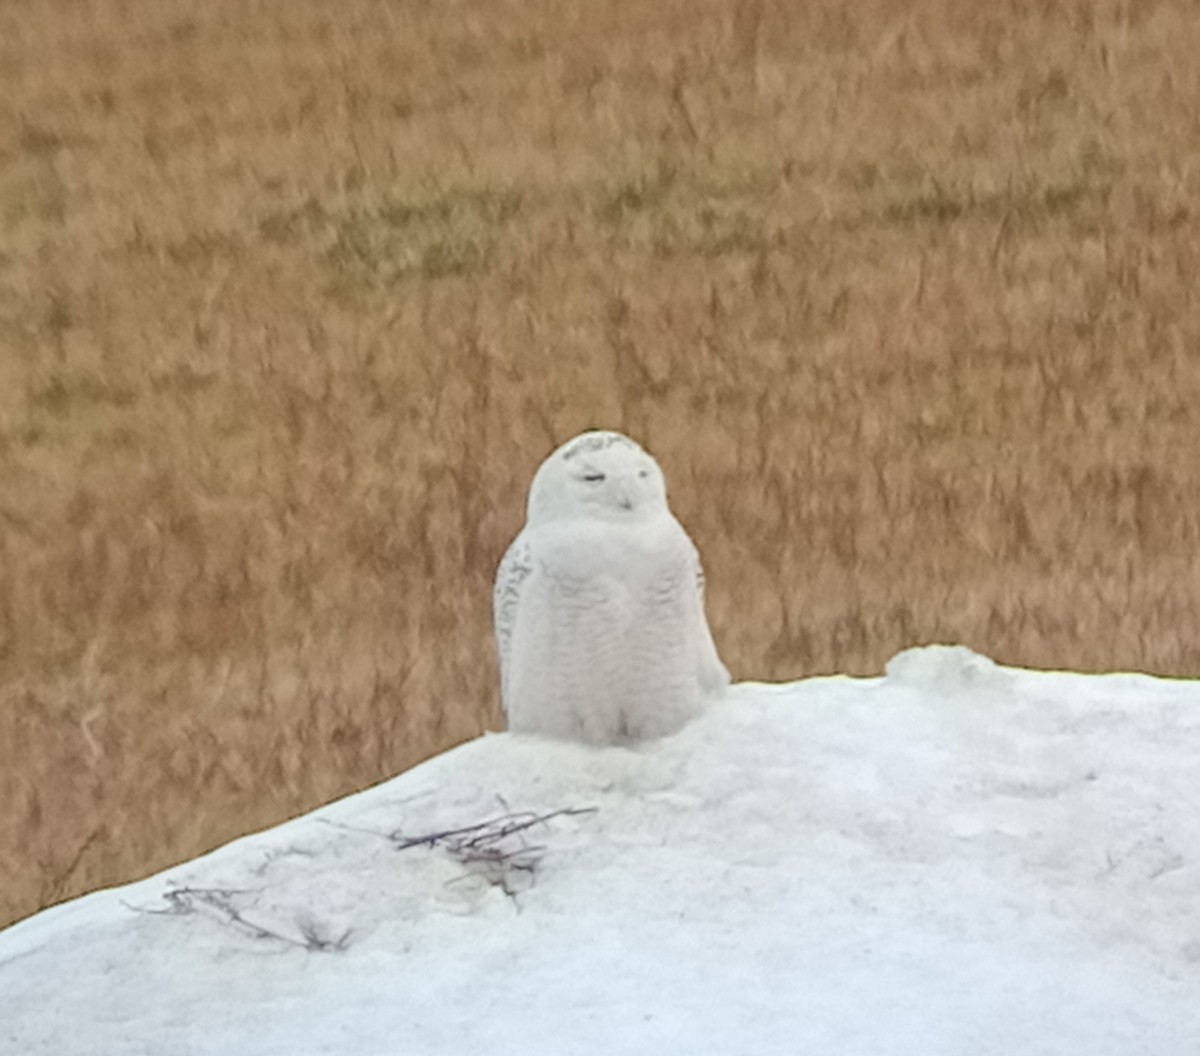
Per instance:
x=515, y=568
x=714, y=675
x=699, y=574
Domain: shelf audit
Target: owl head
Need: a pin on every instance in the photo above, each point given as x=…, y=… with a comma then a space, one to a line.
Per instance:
x=599, y=475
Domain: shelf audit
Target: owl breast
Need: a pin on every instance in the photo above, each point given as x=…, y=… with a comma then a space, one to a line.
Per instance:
x=604, y=649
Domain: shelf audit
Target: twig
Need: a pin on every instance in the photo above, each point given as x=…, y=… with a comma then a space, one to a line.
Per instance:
x=509, y=824
x=480, y=847
x=184, y=900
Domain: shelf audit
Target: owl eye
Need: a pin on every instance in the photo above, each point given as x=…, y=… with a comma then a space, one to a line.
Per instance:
x=644, y=473
x=593, y=478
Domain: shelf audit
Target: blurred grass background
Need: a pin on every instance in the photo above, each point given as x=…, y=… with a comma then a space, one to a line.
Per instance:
x=294, y=298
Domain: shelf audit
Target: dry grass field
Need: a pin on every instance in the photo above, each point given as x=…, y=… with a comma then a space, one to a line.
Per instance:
x=295, y=296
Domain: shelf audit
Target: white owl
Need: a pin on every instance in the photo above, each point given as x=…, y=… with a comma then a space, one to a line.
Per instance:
x=599, y=603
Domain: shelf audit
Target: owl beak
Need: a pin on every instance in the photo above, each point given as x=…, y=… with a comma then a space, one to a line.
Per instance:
x=625, y=496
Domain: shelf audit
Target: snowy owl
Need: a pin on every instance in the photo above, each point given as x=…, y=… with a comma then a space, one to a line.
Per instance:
x=599, y=603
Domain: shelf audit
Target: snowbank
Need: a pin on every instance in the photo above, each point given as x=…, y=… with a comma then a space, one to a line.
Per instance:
x=957, y=858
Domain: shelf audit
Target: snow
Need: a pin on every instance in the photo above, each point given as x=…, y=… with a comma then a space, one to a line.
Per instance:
x=958, y=858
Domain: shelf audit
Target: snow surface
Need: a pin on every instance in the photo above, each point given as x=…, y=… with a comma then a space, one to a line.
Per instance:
x=954, y=859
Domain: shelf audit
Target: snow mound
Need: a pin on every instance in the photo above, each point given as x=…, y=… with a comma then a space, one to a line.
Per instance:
x=836, y=866
x=948, y=669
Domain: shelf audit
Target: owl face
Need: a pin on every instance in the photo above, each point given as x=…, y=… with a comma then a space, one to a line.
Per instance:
x=599, y=475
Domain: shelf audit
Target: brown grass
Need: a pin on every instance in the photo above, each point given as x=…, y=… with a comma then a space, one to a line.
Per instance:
x=295, y=296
